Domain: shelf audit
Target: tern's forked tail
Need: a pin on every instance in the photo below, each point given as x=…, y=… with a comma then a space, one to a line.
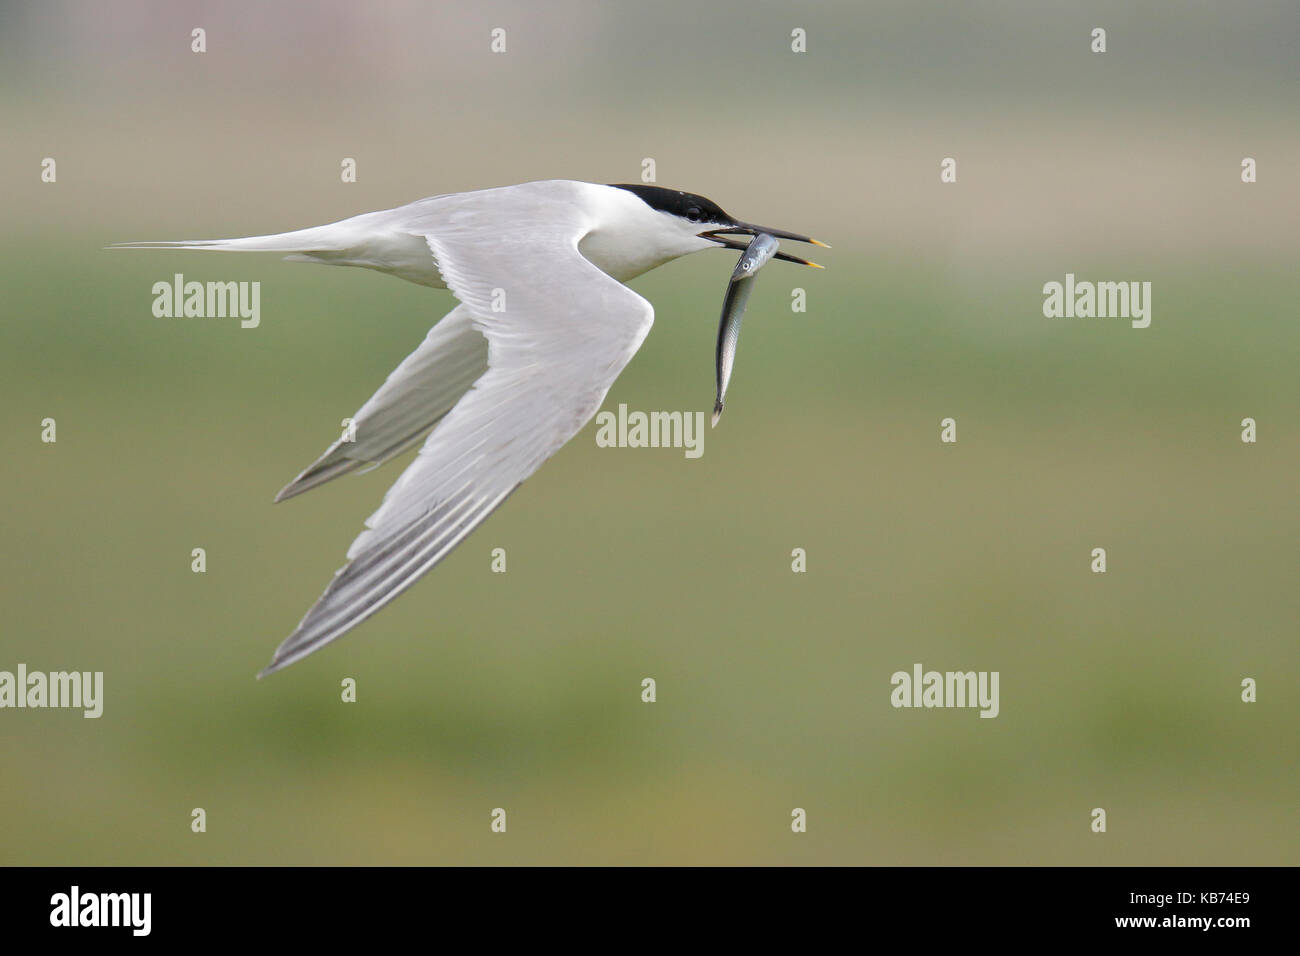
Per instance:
x=315, y=239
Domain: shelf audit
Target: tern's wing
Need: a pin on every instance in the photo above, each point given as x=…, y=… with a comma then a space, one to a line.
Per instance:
x=559, y=332
x=420, y=391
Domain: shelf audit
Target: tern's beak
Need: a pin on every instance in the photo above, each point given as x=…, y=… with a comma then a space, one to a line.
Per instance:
x=748, y=229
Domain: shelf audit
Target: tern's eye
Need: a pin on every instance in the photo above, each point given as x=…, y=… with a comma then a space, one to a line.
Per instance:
x=693, y=214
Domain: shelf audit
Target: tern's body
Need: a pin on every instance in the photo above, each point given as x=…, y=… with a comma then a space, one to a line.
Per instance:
x=543, y=328
x=616, y=231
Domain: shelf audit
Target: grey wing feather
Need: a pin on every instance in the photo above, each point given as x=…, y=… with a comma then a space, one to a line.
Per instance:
x=414, y=398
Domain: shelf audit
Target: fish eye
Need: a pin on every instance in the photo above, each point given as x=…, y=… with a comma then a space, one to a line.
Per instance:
x=693, y=214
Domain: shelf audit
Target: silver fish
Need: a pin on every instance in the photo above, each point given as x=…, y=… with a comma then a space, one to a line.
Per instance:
x=760, y=249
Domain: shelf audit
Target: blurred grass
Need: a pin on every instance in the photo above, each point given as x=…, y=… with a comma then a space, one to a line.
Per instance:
x=479, y=690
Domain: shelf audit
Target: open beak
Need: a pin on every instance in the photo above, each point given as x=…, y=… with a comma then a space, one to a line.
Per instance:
x=747, y=229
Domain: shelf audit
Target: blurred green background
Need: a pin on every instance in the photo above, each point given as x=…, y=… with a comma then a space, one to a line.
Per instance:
x=480, y=690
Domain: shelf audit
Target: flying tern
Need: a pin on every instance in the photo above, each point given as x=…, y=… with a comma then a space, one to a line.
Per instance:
x=543, y=326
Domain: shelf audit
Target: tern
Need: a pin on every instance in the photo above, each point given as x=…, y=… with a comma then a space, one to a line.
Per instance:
x=543, y=326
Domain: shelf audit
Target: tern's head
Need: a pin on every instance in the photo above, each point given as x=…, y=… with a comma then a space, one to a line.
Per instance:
x=701, y=223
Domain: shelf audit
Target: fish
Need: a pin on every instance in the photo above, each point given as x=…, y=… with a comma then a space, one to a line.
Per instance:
x=760, y=249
